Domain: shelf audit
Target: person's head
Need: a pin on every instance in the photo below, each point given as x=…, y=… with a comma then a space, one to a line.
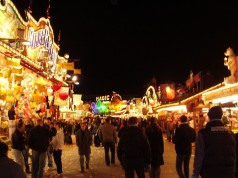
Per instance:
x=51, y=124
x=183, y=119
x=108, y=119
x=133, y=121
x=215, y=112
x=48, y=120
x=57, y=125
x=153, y=120
x=3, y=149
x=20, y=126
x=83, y=125
x=39, y=122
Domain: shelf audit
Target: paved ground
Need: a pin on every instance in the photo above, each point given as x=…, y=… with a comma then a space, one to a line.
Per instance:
x=98, y=168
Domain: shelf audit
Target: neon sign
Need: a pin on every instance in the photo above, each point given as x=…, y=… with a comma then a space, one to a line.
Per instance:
x=42, y=38
x=103, y=98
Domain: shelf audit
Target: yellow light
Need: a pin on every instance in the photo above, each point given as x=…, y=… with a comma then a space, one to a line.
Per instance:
x=74, y=78
x=66, y=56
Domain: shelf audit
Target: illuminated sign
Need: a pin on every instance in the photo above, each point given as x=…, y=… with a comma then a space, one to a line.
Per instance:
x=103, y=98
x=42, y=38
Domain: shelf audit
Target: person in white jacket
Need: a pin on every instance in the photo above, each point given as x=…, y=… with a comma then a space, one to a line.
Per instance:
x=57, y=144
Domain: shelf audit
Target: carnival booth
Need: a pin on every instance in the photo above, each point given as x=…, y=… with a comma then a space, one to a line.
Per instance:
x=227, y=94
x=30, y=67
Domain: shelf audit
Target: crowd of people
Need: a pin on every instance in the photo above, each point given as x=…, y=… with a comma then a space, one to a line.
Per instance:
x=138, y=145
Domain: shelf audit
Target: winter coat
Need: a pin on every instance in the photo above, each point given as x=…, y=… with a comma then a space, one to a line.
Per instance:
x=183, y=138
x=84, y=141
x=155, y=137
x=39, y=138
x=215, y=153
x=10, y=169
x=18, y=140
x=134, y=148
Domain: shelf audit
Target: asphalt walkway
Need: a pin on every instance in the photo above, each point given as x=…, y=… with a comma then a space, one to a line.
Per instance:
x=98, y=168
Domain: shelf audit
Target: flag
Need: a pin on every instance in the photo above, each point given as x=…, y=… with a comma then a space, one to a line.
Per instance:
x=59, y=35
x=48, y=11
x=77, y=71
x=197, y=77
x=69, y=66
x=189, y=83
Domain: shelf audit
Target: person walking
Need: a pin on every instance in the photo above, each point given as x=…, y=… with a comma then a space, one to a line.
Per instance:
x=39, y=142
x=215, y=151
x=108, y=136
x=84, y=142
x=183, y=138
x=12, y=121
x=57, y=144
x=8, y=167
x=50, y=126
x=170, y=128
x=155, y=137
x=18, y=143
x=133, y=151
x=28, y=126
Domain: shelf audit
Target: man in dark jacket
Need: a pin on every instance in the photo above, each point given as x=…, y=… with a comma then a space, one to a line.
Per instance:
x=183, y=138
x=84, y=142
x=133, y=150
x=108, y=136
x=29, y=125
x=155, y=136
x=50, y=126
x=215, y=153
x=39, y=141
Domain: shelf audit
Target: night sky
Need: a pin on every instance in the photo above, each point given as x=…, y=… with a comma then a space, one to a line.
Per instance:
x=123, y=44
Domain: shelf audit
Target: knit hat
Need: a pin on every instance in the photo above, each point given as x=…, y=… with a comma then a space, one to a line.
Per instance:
x=215, y=112
x=183, y=119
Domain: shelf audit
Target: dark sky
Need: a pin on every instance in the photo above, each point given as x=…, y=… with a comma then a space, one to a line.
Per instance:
x=123, y=44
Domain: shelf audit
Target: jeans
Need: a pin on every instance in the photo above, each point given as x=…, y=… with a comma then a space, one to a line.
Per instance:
x=154, y=171
x=169, y=135
x=38, y=163
x=57, y=154
x=81, y=160
x=18, y=157
x=50, y=158
x=26, y=157
x=109, y=146
x=182, y=165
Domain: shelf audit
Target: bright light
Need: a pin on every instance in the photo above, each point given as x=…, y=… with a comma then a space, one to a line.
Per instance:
x=66, y=56
x=226, y=99
x=181, y=108
x=74, y=78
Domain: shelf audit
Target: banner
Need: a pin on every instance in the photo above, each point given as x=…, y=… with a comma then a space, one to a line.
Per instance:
x=77, y=71
x=77, y=99
x=61, y=97
x=69, y=66
x=197, y=77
